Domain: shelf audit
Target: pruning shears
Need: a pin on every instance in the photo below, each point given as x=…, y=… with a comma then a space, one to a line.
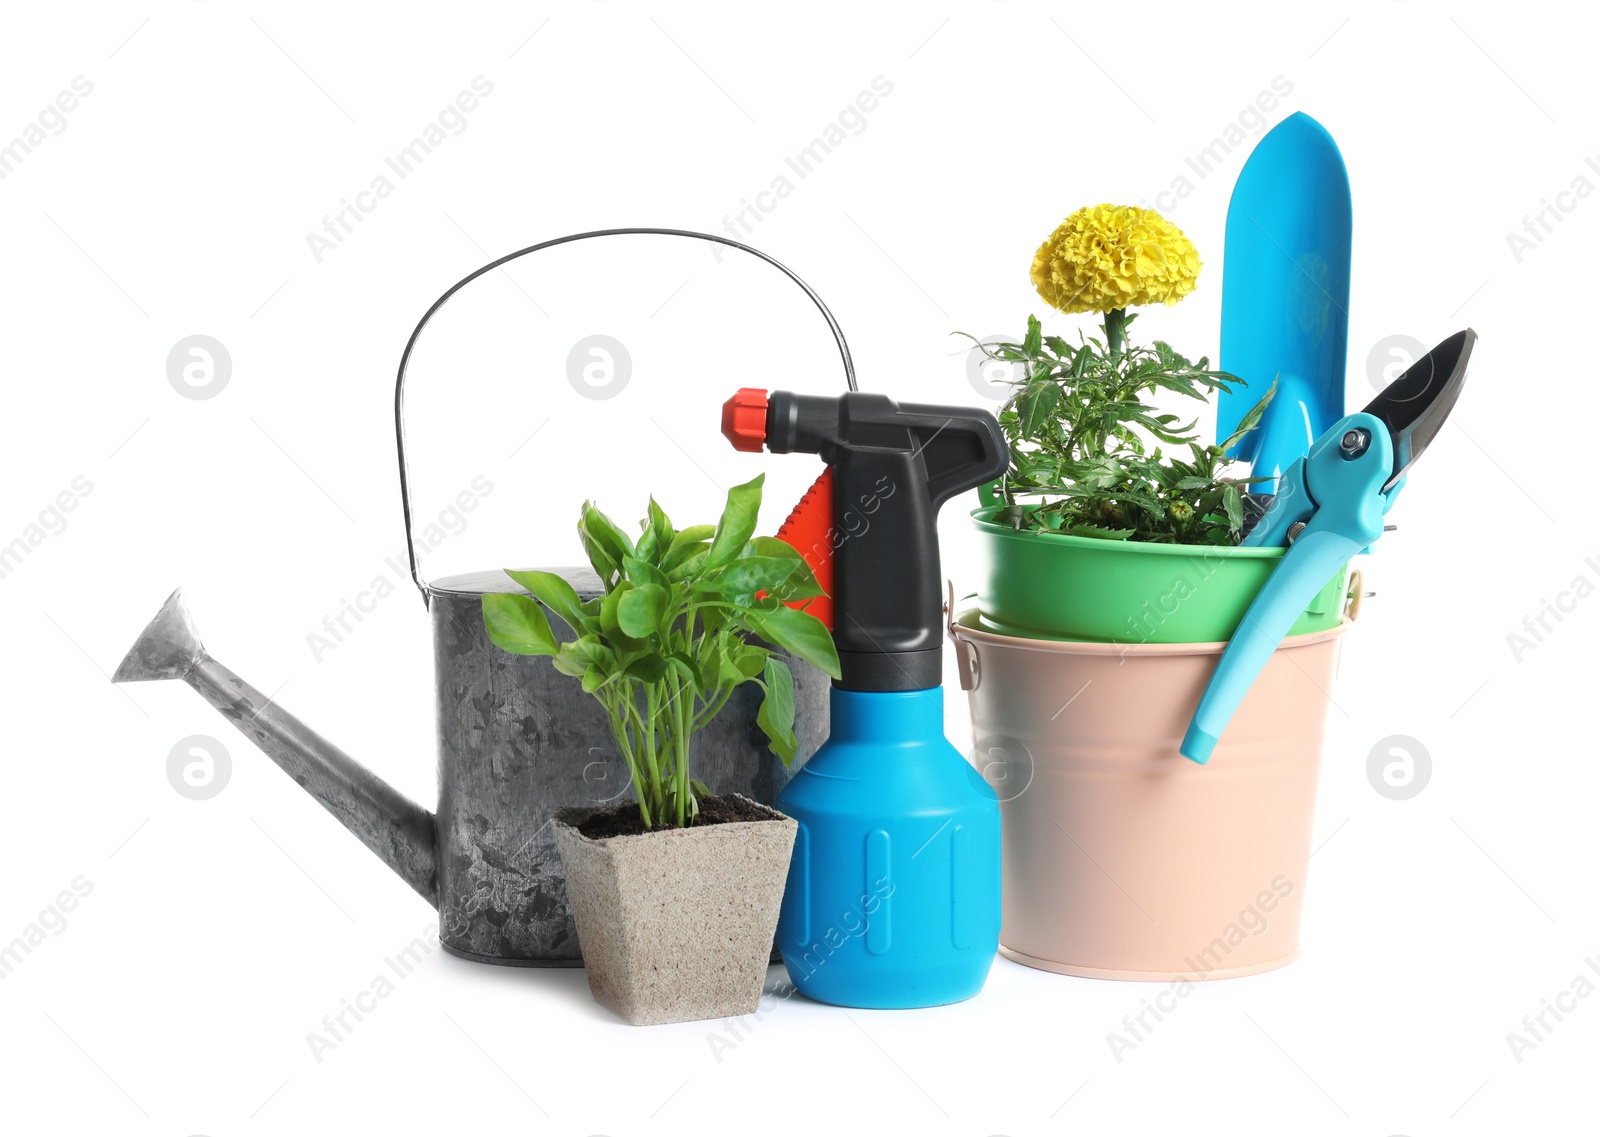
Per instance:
x=1330, y=505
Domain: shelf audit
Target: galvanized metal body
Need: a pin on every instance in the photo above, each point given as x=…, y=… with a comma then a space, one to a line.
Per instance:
x=519, y=741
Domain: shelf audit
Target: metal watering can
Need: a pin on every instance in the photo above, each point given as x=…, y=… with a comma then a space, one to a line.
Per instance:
x=517, y=741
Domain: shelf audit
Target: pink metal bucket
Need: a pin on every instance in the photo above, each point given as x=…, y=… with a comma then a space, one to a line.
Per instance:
x=1122, y=859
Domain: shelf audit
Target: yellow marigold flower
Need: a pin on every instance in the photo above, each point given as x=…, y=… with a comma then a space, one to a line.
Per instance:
x=1114, y=256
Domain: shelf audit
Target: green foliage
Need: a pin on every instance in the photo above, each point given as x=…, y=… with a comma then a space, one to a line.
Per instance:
x=673, y=635
x=1085, y=444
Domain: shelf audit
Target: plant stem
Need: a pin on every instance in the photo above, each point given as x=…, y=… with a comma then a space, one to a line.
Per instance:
x=1115, y=324
x=661, y=719
x=682, y=709
x=619, y=731
x=652, y=774
x=712, y=708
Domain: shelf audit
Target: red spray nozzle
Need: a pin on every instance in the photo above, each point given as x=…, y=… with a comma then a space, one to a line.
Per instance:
x=744, y=419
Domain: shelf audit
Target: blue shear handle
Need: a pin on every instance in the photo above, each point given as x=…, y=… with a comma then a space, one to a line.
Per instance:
x=1309, y=563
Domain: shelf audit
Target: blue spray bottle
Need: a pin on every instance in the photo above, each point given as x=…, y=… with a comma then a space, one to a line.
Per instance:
x=893, y=898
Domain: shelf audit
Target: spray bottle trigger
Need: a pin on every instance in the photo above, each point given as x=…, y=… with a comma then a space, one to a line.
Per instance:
x=809, y=531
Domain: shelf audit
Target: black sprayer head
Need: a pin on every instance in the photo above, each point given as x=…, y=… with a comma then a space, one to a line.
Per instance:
x=892, y=467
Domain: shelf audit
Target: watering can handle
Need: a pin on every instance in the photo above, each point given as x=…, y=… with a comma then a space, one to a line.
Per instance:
x=405, y=357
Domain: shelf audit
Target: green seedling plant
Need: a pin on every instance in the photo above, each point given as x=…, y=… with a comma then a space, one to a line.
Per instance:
x=675, y=632
x=1085, y=442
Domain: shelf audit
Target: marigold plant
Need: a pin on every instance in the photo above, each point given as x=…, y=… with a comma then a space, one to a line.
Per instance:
x=1084, y=435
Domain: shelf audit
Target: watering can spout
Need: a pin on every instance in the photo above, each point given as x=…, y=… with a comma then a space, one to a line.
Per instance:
x=395, y=828
x=167, y=649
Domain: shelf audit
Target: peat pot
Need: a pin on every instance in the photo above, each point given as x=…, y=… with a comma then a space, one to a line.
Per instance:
x=677, y=924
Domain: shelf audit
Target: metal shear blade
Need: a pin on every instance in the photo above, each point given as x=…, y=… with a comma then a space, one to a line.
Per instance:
x=1415, y=405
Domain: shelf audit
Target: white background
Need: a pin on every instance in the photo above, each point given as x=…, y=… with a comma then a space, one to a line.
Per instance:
x=178, y=996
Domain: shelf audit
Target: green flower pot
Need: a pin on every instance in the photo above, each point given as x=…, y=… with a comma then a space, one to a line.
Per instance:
x=1053, y=586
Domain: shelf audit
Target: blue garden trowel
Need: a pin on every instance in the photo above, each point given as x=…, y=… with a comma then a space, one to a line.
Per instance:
x=1286, y=294
x=1330, y=505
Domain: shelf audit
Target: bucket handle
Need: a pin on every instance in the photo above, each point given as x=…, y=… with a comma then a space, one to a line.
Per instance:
x=1353, y=595
x=405, y=358
x=967, y=668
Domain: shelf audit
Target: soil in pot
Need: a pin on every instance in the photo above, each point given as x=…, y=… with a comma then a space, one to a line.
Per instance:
x=676, y=924
x=625, y=821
